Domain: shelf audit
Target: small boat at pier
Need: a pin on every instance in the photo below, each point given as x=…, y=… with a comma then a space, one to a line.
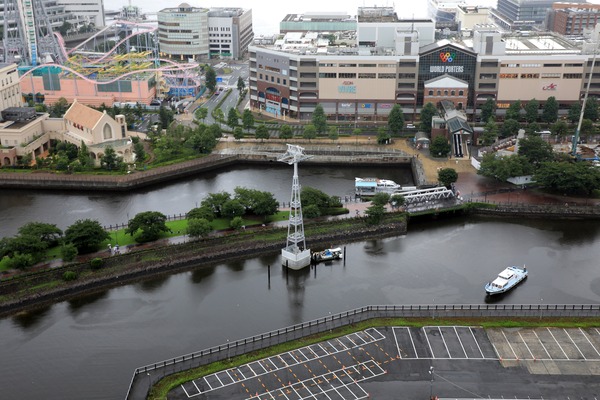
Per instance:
x=372, y=186
x=328, y=255
x=506, y=280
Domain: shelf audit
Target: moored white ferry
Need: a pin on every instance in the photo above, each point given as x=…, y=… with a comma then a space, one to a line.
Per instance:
x=506, y=280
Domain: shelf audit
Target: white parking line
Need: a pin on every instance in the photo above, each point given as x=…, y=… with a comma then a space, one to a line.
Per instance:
x=509, y=345
x=303, y=355
x=219, y=379
x=241, y=373
x=525, y=343
x=230, y=375
x=252, y=369
x=185, y=391
x=444, y=341
x=396, y=340
x=476, y=342
x=283, y=361
x=429, y=344
x=461, y=343
x=589, y=341
x=207, y=383
x=542, y=343
x=577, y=347
x=561, y=349
x=413, y=343
x=342, y=343
x=196, y=386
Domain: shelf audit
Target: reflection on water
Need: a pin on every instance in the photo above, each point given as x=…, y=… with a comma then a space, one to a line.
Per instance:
x=199, y=274
x=87, y=299
x=152, y=284
x=30, y=319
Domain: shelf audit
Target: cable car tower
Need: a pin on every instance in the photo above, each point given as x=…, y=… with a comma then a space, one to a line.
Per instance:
x=295, y=255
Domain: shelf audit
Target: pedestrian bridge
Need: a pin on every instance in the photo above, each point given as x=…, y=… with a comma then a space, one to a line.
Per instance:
x=425, y=195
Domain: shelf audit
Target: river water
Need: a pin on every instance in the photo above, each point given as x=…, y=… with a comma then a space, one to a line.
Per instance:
x=88, y=348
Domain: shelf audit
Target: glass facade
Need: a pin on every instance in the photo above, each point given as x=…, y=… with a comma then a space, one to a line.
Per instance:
x=448, y=60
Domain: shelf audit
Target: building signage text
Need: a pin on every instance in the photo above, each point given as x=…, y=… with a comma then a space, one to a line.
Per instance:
x=442, y=69
x=347, y=87
x=551, y=86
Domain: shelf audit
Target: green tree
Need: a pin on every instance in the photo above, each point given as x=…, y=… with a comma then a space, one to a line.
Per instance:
x=83, y=155
x=396, y=120
x=427, y=113
x=247, y=120
x=236, y=223
x=211, y=79
x=333, y=133
x=218, y=115
x=232, y=118
x=58, y=108
x=310, y=132
x=381, y=198
x=238, y=133
x=199, y=227
x=568, y=178
x=439, y=147
x=20, y=261
x=397, y=200
x=215, y=201
x=531, y=110
x=285, y=132
x=86, y=235
x=261, y=132
x=383, y=135
x=533, y=129
x=447, y=176
x=375, y=214
x=587, y=127
x=151, y=224
x=165, y=116
x=311, y=196
x=550, y=111
x=24, y=244
x=241, y=85
x=514, y=111
x=201, y=113
x=203, y=212
x=490, y=132
x=140, y=153
x=502, y=168
x=110, y=160
x=357, y=132
x=44, y=232
x=510, y=127
x=591, y=109
x=215, y=130
x=560, y=128
x=232, y=208
x=203, y=141
x=574, y=113
x=319, y=120
x=536, y=150
x=488, y=109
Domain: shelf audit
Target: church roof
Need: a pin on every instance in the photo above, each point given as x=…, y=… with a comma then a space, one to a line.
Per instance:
x=83, y=115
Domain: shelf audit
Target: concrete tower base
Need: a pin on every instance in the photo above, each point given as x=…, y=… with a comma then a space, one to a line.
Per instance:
x=294, y=258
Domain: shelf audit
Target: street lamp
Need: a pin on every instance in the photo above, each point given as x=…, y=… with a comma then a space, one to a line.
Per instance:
x=228, y=350
x=431, y=383
x=541, y=304
x=149, y=383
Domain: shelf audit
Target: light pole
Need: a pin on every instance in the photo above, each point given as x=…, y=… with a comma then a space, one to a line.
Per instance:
x=149, y=383
x=541, y=304
x=228, y=350
x=431, y=383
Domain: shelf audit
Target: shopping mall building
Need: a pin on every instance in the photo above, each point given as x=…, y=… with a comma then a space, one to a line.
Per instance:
x=390, y=63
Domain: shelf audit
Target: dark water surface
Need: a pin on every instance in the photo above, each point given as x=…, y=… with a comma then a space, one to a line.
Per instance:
x=88, y=348
x=63, y=208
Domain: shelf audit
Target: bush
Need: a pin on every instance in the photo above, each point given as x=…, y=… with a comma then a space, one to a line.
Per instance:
x=68, y=252
x=236, y=223
x=69, y=276
x=335, y=211
x=96, y=263
x=20, y=261
x=311, y=211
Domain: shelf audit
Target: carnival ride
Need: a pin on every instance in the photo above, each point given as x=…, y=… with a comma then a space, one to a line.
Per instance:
x=124, y=50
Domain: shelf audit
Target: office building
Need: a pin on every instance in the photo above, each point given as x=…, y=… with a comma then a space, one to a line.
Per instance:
x=522, y=14
x=573, y=19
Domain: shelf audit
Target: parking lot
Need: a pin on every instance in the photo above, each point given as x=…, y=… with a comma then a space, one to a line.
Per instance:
x=357, y=365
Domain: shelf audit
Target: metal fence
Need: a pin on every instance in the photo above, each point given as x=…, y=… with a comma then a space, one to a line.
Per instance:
x=146, y=375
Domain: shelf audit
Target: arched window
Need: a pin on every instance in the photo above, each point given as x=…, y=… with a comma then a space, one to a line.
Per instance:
x=439, y=92
x=460, y=93
x=431, y=92
x=445, y=93
x=107, y=132
x=453, y=93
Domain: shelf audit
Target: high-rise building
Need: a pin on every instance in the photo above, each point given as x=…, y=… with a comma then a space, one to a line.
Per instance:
x=515, y=14
x=86, y=11
x=190, y=32
x=572, y=19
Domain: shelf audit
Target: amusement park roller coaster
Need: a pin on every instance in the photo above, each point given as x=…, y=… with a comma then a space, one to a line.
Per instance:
x=123, y=50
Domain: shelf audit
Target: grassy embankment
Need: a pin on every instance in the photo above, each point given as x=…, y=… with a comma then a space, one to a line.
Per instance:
x=160, y=390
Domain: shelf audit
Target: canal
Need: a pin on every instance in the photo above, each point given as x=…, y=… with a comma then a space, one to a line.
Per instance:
x=87, y=348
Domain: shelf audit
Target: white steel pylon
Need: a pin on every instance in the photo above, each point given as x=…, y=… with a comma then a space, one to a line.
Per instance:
x=295, y=255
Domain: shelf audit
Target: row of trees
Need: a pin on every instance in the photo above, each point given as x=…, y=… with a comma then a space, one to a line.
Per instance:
x=556, y=172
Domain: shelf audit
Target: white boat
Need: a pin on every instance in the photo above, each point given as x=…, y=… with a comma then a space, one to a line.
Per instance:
x=328, y=255
x=372, y=186
x=506, y=280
